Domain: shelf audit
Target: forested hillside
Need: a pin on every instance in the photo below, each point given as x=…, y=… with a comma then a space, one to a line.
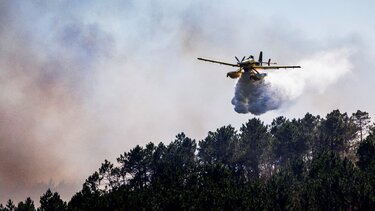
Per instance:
x=312, y=163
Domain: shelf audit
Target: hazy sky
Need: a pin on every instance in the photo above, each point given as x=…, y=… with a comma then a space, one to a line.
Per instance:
x=84, y=81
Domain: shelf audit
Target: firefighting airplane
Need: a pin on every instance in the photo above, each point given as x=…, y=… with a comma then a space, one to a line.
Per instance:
x=250, y=65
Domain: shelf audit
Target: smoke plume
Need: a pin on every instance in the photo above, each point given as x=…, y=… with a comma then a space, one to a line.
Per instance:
x=84, y=81
x=45, y=80
x=283, y=86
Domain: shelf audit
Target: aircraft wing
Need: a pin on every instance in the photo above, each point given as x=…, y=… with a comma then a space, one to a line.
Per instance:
x=275, y=67
x=218, y=62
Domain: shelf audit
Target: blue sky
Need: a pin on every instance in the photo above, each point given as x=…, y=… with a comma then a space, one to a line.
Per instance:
x=85, y=81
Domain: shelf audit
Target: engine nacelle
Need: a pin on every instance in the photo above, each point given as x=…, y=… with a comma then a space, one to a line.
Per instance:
x=234, y=74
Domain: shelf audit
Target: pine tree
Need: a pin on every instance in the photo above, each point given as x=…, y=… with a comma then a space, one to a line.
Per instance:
x=51, y=202
x=28, y=205
x=362, y=120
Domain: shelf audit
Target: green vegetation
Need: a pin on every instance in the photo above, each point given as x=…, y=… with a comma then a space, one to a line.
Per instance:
x=311, y=163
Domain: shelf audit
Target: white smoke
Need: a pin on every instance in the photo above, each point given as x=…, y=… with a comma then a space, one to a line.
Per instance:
x=280, y=86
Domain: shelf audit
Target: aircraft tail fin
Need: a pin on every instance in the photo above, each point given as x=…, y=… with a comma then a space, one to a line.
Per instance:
x=260, y=60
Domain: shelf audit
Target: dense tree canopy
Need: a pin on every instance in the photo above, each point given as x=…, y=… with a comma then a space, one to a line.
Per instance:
x=311, y=163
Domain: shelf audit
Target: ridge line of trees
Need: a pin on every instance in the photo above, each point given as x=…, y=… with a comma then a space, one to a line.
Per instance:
x=311, y=163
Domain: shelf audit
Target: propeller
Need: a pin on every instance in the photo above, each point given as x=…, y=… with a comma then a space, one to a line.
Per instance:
x=238, y=61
